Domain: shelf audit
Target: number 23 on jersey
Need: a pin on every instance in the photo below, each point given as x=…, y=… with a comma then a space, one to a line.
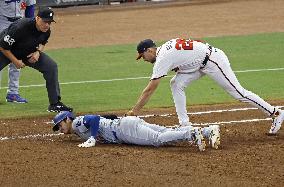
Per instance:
x=185, y=44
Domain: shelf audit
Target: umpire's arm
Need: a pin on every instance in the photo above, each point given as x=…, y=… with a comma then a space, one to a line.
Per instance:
x=145, y=96
x=18, y=63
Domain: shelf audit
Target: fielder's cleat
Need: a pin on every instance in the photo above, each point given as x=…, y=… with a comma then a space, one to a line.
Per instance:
x=198, y=138
x=214, y=136
x=58, y=107
x=277, y=122
x=15, y=98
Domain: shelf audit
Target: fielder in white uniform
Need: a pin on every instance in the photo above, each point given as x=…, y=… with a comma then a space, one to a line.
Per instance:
x=10, y=11
x=131, y=130
x=191, y=60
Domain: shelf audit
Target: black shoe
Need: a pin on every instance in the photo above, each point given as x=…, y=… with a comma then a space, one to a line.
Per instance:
x=58, y=107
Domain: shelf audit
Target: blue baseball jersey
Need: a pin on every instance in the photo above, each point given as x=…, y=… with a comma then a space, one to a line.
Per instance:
x=104, y=130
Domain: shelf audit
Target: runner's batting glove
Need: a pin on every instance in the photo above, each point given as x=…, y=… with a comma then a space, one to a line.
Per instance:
x=91, y=142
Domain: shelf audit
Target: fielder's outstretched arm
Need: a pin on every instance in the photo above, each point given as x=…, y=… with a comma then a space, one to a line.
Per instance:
x=145, y=96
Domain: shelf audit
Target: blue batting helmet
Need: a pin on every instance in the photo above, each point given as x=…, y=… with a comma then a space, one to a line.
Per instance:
x=60, y=117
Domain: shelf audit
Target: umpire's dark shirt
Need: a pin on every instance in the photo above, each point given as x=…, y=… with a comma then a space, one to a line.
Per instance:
x=22, y=38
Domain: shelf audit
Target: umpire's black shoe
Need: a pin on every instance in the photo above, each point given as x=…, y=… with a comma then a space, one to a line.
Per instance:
x=58, y=107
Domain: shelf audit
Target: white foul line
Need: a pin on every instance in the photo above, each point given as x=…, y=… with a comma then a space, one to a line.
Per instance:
x=29, y=136
x=258, y=70
x=164, y=115
x=206, y=112
x=134, y=78
x=202, y=124
x=239, y=121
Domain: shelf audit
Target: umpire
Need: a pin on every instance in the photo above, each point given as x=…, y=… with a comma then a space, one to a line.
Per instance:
x=11, y=11
x=22, y=44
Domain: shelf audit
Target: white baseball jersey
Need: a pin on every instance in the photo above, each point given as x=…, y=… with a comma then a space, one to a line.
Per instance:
x=187, y=58
x=186, y=55
x=129, y=130
x=14, y=8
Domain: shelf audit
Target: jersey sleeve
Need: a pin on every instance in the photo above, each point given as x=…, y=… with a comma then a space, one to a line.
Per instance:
x=163, y=63
x=161, y=68
x=92, y=122
x=9, y=37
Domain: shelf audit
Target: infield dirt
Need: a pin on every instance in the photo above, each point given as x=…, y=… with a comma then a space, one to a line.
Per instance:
x=247, y=157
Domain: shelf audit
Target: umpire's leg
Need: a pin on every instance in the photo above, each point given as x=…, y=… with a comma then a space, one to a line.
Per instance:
x=48, y=68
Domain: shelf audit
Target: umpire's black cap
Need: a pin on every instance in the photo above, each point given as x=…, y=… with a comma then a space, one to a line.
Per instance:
x=143, y=46
x=46, y=14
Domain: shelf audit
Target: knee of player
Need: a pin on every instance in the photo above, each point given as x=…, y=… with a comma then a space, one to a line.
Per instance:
x=53, y=66
x=175, y=85
x=242, y=94
x=52, y=69
x=157, y=140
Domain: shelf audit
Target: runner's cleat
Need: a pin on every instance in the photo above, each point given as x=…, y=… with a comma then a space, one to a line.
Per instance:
x=15, y=98
x=198, y=138
x=214, y=136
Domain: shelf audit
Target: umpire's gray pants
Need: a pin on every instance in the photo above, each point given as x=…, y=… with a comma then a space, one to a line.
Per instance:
x=49, y=70
x=13, y=72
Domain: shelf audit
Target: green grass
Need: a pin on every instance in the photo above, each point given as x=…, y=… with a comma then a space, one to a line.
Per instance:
x=260, y=51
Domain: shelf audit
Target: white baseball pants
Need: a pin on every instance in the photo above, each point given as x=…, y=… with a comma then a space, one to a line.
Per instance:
x=219, y=69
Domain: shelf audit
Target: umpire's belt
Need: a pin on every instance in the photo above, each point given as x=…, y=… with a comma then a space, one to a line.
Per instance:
x=207, y=56
x=13, y=19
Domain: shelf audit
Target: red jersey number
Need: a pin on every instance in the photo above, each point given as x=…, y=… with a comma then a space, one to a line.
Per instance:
x=23, y=6
x=184, y=44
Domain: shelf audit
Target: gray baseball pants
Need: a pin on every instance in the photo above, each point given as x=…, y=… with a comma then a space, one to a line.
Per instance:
x=13, y=72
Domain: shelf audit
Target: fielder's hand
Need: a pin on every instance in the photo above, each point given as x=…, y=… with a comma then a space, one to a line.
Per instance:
x=91, y=142
x=130, y=113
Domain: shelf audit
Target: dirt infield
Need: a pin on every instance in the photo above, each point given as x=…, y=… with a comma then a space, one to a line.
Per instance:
x=32, y=156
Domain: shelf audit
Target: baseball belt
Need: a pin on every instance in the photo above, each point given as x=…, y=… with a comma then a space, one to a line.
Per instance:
x=204, y=61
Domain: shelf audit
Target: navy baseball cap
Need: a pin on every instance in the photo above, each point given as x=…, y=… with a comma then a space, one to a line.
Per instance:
x=60, y=117
x=143, y=46
x=46, y=14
